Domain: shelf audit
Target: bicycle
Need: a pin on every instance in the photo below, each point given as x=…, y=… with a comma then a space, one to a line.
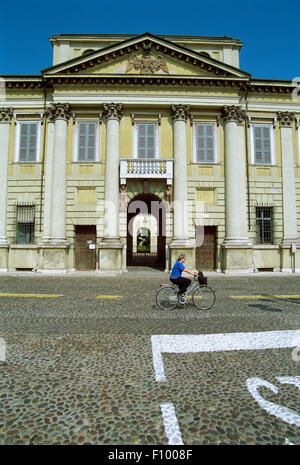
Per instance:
x=168, y=296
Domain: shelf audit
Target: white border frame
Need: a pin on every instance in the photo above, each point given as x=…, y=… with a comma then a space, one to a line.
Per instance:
x=135, y=139
x=97, y=142
x=273, y=152
x=17, y=141
x=216, y=143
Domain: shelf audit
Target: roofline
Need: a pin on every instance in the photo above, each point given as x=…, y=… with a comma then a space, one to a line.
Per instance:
x=155, y=37
x=224, y=38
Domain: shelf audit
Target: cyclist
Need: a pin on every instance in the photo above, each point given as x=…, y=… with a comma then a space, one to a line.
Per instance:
x=176, y=278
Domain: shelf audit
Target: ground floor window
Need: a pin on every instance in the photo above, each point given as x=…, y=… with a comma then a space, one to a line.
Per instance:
x=264, y=225
x=25, y=224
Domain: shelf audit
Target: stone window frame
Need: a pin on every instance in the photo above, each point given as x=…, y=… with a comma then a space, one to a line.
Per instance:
x=17, y=140
x=97, y=142
x=252, y=144
x=216, y=143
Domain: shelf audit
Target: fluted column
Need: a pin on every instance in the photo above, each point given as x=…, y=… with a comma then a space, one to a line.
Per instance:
x=180, y=114
x=5, y=117
x=113, y=113
x=235, y=177
x=290, y=233
x=60, y=114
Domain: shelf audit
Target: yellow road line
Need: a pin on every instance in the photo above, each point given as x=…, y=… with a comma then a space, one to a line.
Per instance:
x=108, y=297
x=266, y=297
x=30, y=295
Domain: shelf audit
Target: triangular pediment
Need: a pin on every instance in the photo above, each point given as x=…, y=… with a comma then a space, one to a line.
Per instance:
x=146, y=55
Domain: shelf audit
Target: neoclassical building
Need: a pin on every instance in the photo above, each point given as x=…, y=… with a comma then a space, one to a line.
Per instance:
x=129, y=150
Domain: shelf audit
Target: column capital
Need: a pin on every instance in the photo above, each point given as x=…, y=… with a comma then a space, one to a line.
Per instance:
x=180, y=112
x=286, y=119
x=113, y=111
x=58, y=111
x=233, y=114
x=6, y=115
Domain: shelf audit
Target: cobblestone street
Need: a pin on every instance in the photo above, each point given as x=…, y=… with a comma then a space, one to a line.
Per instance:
x=81, y=359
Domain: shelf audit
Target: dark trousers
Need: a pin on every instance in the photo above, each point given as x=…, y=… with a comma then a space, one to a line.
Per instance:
x=182, y=283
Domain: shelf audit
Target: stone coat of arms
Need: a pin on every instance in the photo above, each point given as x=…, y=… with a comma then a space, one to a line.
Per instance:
x=147, y=64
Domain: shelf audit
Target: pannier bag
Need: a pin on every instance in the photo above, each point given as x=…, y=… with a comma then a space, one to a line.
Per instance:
x=202, y=279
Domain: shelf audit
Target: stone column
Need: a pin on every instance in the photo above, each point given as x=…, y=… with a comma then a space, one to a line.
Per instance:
x=50, y=115
x=236, y=245
x=290, y=232
x=110, y=249
x=56, y=245
x=180, y=242
x=5, y=118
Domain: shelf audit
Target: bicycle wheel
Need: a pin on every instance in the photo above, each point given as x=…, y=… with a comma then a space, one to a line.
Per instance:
x=204, y=297
x=167, y=298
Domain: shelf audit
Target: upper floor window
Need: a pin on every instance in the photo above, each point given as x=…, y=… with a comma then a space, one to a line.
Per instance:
x=28, y=136
x=262, y=144
x=146, y=140
x=86, y=146
x=205, y=143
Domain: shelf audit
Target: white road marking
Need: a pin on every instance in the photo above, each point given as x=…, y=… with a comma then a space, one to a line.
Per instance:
x=171, y=424
x=2, y=350
x=217, y=342
x=283, y=413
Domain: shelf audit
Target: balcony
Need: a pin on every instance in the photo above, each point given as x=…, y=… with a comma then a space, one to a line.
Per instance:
x=156, y=168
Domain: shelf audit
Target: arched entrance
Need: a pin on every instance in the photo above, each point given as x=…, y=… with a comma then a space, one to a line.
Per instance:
x=146, y=232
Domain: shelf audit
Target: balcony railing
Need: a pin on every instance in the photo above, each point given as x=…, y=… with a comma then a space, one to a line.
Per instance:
x=146, y=168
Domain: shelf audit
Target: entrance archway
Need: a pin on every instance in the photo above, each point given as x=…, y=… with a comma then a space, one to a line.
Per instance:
x=146, y=232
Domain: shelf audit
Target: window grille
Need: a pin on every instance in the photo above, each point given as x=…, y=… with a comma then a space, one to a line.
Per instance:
x=205, y=146
x=86, y=142
x=146, y=140
x=262, y=144
x=264, y=225
x=25, y=223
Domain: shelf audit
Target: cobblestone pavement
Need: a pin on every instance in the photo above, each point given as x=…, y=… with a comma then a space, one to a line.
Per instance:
x=79, y=369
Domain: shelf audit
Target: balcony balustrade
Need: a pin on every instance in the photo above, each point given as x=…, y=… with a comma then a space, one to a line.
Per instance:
x=156, y=168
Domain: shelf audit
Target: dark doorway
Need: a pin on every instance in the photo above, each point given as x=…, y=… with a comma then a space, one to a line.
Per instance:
x=85, y=248
x=141, y=255
x=206, y=253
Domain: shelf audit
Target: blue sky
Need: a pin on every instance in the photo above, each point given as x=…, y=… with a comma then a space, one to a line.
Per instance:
x=268, y=29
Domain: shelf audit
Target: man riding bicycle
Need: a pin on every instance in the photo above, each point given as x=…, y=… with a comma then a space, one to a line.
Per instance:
x=176, y=278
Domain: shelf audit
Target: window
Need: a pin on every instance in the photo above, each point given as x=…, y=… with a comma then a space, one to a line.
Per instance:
x=205, y=143
x=86, y=141
x=146, y=140
x=25, y=224
x=262, y=144
x=264, y=225
x=28, y=141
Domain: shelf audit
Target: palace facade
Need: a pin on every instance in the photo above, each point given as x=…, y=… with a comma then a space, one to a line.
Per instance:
x=129, y=150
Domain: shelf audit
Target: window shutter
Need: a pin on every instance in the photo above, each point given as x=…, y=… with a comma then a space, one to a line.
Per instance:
x=262, y=144
x=28, y=141
x=267, y=145
x=91, y=142
x=205, y=143
x=86, y=141
x=151, y=140
x=146, y=140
